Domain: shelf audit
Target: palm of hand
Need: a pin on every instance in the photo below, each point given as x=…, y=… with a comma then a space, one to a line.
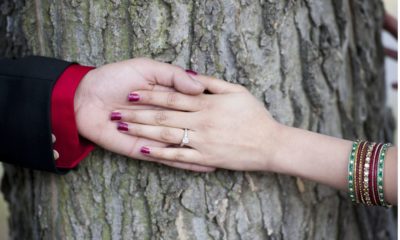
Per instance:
x=106, y=89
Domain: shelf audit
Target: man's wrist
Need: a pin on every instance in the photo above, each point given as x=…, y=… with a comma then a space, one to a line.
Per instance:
x=64, y=124
x=80, y=92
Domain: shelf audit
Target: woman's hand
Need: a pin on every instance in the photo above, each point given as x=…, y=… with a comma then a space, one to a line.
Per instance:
x=228, y=129
x=105, y=88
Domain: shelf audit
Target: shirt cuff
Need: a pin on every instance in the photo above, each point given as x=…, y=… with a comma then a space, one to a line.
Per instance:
x=71, y=147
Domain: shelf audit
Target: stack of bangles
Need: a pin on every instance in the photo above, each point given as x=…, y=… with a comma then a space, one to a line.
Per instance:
x=365, y=176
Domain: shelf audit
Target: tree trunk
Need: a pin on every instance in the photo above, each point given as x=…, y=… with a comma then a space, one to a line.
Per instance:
x=317, y=64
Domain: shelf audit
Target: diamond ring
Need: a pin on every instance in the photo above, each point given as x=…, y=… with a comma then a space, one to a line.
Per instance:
x=185, y=139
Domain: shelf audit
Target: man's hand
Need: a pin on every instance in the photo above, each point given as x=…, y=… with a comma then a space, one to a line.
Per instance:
x=105, y=89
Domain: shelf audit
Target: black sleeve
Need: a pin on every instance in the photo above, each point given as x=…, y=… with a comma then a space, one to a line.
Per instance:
x=25, y=122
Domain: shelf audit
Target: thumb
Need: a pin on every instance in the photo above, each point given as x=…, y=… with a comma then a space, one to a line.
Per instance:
x=168, y=75
x=218, y=86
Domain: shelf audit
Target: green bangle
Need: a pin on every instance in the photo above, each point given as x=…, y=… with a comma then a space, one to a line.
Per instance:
x=350, y=171
x=380, y=175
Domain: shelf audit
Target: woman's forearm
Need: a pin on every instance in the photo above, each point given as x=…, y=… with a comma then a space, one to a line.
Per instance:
x=390, y=175
x=231, y=129
x=324, y=159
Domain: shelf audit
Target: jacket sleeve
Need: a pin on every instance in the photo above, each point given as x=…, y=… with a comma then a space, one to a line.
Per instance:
x=25, y=100
x=72, y=148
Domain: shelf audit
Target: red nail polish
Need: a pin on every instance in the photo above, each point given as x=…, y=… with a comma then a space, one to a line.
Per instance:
x=122, y=126
x=145, y=150
x=191, y=72
x=115, y=116
x=133, y=97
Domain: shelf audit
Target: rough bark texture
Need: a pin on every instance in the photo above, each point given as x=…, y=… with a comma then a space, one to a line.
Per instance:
x=317, y=64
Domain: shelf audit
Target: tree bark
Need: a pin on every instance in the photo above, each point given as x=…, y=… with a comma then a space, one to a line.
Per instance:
x=317, y=64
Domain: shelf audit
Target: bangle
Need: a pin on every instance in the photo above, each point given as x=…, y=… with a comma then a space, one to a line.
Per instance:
x=351, y=171
x=361, y=172
x=365, y=173
x=373, y=189
x=381, y=164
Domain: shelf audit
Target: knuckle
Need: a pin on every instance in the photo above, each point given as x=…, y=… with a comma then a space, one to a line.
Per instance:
x=172, y=99
x=160, y=117
x=147, y=97
x=179, y=156
x=202, y=104
x=207, y=125
x=132, y=116
x=137, y=130
x=209, y=160
x=166, y=135
x=203, y=160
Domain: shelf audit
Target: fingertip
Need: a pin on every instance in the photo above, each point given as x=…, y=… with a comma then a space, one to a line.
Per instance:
x=216, y=86
x=196, y=88
x=133, y=97
x=56, y=154
x=145, y=150
x=189, y=84
x=122, y=126
x=198, y=84
x=115, y=116
x=191, y=72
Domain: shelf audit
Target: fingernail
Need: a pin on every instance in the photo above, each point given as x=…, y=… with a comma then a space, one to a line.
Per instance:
x=133, y=97
x=122, y=126
x=115, y=116
x=145, y=150
x=191, y=72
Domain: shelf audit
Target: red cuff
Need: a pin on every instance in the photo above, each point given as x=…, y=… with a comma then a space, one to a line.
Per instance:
x=69, y=144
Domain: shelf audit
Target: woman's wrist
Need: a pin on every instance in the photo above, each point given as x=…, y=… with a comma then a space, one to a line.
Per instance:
x=310, y=155
x=277, y=150
x=273, y=144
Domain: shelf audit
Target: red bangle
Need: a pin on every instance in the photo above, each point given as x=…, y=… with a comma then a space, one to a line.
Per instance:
x=376, y=192
x=372, y=174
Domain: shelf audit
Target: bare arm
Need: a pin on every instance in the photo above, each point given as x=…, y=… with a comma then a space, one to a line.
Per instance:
x=231, y=129
x=325, y=159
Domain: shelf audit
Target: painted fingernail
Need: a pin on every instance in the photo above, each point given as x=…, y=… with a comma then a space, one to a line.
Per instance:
x=145, y=150
x=133, y=97
x=191, y=72
x=115, y=116
x=122, y=126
